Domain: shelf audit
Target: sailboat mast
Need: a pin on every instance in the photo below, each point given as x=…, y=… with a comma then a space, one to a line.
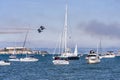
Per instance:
x=25, y=38
x=100, y=47
x=65, y=27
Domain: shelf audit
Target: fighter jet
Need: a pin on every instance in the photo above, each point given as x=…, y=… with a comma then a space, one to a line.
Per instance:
x=41, y=29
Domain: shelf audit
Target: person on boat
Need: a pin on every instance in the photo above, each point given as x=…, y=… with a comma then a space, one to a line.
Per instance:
x=57, y=58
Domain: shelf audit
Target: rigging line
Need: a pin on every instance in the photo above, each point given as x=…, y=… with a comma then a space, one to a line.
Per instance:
x=58, y=44
x=25, y=38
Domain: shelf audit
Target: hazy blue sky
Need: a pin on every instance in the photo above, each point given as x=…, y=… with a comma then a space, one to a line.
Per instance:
x=89, y=21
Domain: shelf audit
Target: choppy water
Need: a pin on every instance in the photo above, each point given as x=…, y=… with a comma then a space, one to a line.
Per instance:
x=107, y=69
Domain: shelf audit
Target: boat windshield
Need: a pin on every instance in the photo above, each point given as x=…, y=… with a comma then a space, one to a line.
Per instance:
x=91, y=55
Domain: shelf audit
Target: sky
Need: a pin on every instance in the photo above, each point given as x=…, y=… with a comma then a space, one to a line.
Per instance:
x=89, y=21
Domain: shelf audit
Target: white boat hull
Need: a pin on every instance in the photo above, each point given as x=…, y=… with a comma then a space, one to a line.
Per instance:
x=3, y=63
x=92, y=57
x=60, y=62
x=100, y=57
x=91, y=61
x=108, y=56
x=12, y=56
x=28, y=59
x=16, y=59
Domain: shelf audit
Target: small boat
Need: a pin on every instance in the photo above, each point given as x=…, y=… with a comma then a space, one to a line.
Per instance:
x=28, y=59
x=13, y=58
x=43, y=54
x=92, y=57
x=109, y=54
x=60, y=62
x=3, y=63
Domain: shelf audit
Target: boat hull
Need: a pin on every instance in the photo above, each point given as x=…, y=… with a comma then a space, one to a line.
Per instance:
x=108, y=56
x=92, y=61
x=28, y=59
x=67, y=58
x=60, y=62
x=73, y=58
x=3, y=63
x=14, y=59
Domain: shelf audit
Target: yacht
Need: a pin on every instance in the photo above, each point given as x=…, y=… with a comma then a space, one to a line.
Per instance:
x=109, y=54
x=92, y=57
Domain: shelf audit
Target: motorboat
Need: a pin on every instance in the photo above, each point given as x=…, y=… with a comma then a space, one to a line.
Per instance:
x=28, y=59
x=92, y=57
x=3, y=63
x=109, y=54
x=60, y=62
x=14, y=59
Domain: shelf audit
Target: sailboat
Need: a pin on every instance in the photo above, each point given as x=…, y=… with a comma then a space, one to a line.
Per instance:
x=13, y=56
x=108, y=54
x=27, y=58
x=65, y=54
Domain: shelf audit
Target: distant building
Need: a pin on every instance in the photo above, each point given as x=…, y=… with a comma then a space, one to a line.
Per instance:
x=16, y=50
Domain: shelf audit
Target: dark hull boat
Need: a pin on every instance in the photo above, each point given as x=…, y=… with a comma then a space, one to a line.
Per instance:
x=73, y=58
x=67, y=57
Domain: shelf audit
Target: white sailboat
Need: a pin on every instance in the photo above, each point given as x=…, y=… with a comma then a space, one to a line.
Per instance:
x=58, y=59
x=27, y=58
x=108, y=54
x=66, y=54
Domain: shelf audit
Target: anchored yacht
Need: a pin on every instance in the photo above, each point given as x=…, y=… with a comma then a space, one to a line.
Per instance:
x=93, y=57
